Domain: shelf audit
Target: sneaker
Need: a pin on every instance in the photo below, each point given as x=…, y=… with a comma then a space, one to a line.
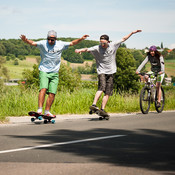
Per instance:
x=50, y=115
x=158, y=104
x=103, y=110
x=94, y=107
x=39, y=111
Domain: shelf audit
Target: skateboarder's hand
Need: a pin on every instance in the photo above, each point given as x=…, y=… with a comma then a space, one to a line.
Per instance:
x=136, y=31
x=23, y=37
x=85, y=36
x=81, y=50
x=77, y=51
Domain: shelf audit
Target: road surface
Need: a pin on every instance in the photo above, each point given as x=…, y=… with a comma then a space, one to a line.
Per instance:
x=126, y=144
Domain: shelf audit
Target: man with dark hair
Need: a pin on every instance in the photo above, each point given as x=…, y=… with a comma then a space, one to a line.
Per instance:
x=50, y=51
x=105, y=56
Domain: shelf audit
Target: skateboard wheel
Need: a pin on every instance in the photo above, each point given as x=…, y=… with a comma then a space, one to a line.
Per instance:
x=32, y=119
x=53, y=121
x=40, y=118
x=107, y=118
x=90, y=112
x=45, y=121
x=100, y=118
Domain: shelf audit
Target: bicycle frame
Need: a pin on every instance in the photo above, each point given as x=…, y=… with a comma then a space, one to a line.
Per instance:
x=151, y=85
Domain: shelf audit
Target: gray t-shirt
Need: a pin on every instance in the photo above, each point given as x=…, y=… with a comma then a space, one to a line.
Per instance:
x=105, y=58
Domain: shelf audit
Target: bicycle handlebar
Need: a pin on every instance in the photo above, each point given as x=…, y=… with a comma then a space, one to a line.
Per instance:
x=143, y=73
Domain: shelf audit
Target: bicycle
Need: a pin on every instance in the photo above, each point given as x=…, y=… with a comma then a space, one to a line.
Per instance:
x=148, y=95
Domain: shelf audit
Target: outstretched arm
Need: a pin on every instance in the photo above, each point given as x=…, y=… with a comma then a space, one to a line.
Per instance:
x=32, y=43
x=74, y=42
x=126, y=37
x=142, y=65
x=81, y=50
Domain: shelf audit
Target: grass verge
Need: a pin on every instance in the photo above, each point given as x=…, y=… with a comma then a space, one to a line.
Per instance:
x=18, y=102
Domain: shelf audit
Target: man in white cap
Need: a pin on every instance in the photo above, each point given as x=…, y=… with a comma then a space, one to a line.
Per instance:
x=50, y=51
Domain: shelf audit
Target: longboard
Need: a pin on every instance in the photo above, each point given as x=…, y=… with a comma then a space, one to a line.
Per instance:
x=37, y=116
x=102, y=114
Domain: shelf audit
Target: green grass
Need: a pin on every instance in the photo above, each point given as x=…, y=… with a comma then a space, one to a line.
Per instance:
x=18, y=102
x=15, y=71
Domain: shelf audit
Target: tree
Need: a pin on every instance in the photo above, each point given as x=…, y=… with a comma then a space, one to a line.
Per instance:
x=171, y=55
x=3, y=72
x=173, y=79
x=165, y=52
x=138, y=56
x=68, y=79
x=10, y=57
x=2, y=49
x=72, y=57
x=161, y=45
x=123, y=45
x=31, y=77
x=126, y=79
x=21, y=57
x=16, y=61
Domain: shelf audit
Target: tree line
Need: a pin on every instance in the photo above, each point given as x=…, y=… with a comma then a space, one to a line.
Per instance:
x=16, y=48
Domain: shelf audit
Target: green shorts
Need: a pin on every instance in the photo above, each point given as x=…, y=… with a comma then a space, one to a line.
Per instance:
x=49, y=81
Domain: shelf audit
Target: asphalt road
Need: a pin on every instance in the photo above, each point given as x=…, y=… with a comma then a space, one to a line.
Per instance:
x=126, y=144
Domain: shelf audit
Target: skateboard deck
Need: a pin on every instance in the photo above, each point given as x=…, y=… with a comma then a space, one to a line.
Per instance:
x=102, y=114
x=40, y=117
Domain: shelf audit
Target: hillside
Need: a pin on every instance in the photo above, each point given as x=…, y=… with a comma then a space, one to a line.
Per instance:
x=15, y=71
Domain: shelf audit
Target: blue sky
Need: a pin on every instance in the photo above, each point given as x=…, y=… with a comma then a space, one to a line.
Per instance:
x=74, y=18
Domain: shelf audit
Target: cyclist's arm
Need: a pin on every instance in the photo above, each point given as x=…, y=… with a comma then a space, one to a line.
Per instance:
x=162, y=65
x=142, y=65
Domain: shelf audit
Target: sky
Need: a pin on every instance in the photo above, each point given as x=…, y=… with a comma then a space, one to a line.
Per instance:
x=74, y=18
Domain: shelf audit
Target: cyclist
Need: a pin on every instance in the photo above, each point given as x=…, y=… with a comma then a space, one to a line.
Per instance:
x=157, y=66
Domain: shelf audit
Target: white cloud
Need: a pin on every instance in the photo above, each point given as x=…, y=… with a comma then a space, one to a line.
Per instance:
x=172, y=46
x=5, y=11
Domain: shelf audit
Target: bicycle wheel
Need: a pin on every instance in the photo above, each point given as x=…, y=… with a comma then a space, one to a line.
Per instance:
x=162, y=102
x=145, y=100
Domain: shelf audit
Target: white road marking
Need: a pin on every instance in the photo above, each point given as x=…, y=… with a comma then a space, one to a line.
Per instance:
x=61, y=143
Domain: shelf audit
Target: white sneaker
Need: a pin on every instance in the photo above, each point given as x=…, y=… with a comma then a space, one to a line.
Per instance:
x=39, y=111
x=49, y=114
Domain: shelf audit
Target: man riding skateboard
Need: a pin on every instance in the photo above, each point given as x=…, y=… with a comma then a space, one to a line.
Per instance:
x=50, y=52
x=105, y=56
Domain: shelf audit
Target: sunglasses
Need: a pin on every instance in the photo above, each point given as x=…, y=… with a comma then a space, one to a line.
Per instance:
x=52, y=39
x=103, y=44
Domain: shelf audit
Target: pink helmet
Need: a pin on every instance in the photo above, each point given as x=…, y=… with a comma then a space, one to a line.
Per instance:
x=152, y=48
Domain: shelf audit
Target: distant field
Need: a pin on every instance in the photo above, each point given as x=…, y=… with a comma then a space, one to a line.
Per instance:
x=15, y=71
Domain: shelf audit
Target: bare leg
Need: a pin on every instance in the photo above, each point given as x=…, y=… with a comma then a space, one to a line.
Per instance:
x=41, y=97
x=97, y=96
x=50, y=101
x=104, y=101
x=158, y=88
